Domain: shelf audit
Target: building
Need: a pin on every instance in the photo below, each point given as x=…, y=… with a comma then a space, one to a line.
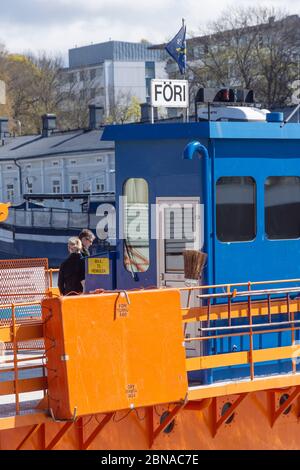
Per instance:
x=111, y=73
x=261, y=56
x=56, y=162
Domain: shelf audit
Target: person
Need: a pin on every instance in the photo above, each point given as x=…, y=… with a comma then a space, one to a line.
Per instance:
x=86, y=237
x=72, y=271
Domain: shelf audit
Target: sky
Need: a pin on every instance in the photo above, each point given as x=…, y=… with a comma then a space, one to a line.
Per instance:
x=55, y=26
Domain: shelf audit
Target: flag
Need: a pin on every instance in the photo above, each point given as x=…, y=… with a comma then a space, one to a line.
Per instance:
x=177, y=49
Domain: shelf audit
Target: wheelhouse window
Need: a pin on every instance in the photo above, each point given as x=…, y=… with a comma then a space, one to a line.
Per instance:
x=136, y=225
x=282, y=207
x=236, y=208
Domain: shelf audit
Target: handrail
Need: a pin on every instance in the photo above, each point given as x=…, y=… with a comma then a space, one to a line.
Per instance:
x=238, y=284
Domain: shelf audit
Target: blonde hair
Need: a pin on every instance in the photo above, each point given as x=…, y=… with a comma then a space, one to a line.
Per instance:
x=75, y=245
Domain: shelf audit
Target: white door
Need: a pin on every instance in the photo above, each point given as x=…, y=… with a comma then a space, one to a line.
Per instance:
x=179, y=228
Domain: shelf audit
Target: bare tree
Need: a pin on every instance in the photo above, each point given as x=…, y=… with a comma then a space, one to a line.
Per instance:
x=251, y=48
x=79, y=94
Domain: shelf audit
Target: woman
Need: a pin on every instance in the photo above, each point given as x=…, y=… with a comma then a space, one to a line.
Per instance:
x=72, y=270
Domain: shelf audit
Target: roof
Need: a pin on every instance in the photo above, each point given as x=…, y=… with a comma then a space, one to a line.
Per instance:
x=112, y=50
x=60, y=143
x=203, y=129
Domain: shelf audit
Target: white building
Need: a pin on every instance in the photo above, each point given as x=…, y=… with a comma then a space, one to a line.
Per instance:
x=70, y=162
x=110, y=72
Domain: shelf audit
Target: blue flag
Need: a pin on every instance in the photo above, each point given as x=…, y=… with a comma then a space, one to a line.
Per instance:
x=177, y=49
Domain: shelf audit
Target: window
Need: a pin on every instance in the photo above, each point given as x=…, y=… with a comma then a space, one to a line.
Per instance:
x=92, y=74
x=10, y=191
x=150, y=69
x=87, y=187
x=81, y=76
x=71, y=77
x=136, y=225
x=74, y=185
x=56, y=186
x=29, y=187
x=92, y=93
x=28, y=167
x=99, y=159
x=73, y=162
x=236, y=208
x=55, y=163
x=8, y=167
x=99, y=186
x=282, y=207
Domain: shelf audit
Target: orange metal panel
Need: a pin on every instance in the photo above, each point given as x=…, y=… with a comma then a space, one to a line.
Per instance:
x=218, y=312
x=113, y=353
x=238, y=387
x=231, y=359
x=23, y=332
x=24, y=385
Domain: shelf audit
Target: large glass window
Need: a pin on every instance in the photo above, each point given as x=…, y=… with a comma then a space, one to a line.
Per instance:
x=236, y=208
x=282, y=207
x=136, y=225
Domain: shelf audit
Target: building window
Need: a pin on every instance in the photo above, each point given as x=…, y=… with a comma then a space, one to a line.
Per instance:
x=28, y=185
x=56, y=186
x=99, y=159
x=87, y=187
x=71, y=77
x=236, y=208
x=99, y=186
x=150, y=69
x=92, y=74
x=73, y=162
x=136, y=225
x=28, y=167
x=282, y=207
x=92, y=93
x=10, y=191
x=82, y=94
x=74, y=185
x=8, y=167
x=81, y=76
x=55, y=163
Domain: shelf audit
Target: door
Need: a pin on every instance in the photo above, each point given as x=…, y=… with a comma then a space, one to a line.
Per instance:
x=179, y=228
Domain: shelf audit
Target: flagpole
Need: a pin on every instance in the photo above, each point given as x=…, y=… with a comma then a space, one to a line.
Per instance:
x=184, y=75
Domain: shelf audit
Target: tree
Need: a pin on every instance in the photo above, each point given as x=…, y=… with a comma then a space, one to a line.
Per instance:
x=251, y=47
x=125, y=108
x=78, y=95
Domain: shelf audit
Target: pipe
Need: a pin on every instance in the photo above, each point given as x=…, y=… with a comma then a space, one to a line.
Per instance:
x=190, y=150
x=20, y=178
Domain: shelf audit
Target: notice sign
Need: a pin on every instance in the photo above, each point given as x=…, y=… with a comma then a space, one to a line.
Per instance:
x=169, y=93
x=98, y=266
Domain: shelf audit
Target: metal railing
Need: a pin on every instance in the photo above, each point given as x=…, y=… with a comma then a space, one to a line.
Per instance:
x=264, y=303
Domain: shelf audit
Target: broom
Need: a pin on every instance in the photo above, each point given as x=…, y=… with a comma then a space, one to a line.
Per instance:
x=194, y=262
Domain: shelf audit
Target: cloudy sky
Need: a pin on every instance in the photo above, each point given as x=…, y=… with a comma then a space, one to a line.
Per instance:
x=58, y=25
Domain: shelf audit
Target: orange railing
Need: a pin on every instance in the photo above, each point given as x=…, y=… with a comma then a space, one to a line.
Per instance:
x=262, y=302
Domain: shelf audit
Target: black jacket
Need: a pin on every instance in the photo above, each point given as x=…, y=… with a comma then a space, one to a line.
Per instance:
x=85, y=252
x=71, y=273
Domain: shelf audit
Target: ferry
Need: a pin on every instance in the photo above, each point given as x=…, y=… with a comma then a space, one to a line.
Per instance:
x=148, y=358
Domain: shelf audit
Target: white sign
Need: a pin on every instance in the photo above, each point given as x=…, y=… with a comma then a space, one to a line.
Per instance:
x=170, y=93
x=2, y=92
